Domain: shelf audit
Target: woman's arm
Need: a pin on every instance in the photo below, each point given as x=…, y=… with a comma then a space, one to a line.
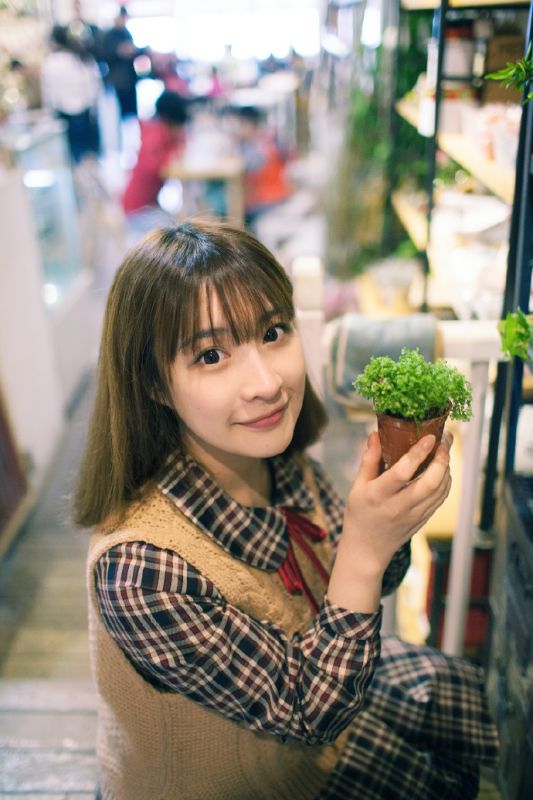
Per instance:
x=334, y=510
x=384, y=510
x=185, y=638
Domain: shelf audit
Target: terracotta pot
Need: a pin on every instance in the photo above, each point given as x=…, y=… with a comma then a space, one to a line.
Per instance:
x=398, y=435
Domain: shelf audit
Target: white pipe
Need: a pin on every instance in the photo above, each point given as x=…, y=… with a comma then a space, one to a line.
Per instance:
x=460, y=571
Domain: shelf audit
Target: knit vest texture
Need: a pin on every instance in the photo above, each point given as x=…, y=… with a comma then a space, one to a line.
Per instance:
x=157, y=745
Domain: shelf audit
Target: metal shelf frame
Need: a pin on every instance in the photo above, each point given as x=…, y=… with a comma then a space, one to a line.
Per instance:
x=518, y=192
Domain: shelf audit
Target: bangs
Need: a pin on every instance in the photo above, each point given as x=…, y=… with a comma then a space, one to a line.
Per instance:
x=192, y=267
x=248, y=297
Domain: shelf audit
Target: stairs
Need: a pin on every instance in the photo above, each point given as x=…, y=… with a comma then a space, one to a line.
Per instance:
x=47, y=735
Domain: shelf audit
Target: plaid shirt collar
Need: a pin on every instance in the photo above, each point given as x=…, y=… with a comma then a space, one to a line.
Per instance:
x=257, y=536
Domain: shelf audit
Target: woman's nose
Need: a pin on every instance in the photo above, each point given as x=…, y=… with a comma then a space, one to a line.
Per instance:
x=261, y=379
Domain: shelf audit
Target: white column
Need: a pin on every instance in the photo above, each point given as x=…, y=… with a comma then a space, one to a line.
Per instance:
x=478, y=342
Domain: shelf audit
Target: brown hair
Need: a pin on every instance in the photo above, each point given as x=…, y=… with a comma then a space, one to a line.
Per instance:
x=152, y=310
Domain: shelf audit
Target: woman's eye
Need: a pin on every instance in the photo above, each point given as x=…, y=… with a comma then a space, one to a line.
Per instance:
x=212, y=356
x=276, y=332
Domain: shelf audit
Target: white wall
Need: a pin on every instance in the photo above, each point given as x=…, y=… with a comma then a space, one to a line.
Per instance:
x=29, y=372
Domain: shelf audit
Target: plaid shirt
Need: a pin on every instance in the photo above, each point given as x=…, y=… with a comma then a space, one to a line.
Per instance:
x=180, y=634
x=166, y=616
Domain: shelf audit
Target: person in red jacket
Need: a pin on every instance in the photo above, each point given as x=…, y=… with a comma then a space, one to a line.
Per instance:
x=162, y=138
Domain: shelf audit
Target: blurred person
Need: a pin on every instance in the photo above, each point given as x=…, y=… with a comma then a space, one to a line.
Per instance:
x=120, y=52
x=87, y=35
x=70, y=84
x=165, y=67
x=162, y=138
x=271, y=64
x=218, y=88
x=24, y=76
x=228, y=67
x=265, y=181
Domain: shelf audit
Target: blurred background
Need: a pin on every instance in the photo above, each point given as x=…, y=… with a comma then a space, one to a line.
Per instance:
x=362, y=143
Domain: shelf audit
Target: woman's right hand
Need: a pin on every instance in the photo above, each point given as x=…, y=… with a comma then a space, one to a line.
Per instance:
x=383, y=511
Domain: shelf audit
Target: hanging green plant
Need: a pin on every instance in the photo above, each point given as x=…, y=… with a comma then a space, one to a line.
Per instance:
x=516, y=332
x=516, y=74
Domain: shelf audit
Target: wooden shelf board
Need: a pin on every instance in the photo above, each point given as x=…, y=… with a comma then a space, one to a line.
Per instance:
x=496, y=177
x=499, y=179
x=413, y=220
x=409, y=111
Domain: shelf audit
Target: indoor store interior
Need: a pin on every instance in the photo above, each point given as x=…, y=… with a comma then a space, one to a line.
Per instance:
x=401, y=209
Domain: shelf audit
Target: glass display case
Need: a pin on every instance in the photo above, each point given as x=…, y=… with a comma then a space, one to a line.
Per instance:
x=38, y=148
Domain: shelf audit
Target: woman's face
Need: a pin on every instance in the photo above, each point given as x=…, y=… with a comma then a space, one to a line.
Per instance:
x=238, y=402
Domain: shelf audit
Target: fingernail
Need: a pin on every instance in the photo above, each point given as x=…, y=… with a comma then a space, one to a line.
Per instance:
x=428, y=442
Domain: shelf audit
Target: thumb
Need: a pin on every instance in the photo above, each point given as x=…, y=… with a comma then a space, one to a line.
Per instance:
x=370, y=467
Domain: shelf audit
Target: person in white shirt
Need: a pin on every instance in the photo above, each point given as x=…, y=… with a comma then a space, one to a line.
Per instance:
x=70, y=84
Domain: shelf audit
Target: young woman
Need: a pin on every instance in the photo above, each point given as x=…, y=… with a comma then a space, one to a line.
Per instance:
x=234, y=603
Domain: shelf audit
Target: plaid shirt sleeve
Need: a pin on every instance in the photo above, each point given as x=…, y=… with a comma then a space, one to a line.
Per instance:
x=333, y=508
x=180, y=634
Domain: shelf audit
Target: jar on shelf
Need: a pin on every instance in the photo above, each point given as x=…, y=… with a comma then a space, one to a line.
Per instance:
x=454, y=97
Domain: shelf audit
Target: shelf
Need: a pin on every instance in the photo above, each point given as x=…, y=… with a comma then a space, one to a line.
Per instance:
x=445, y=287
x=408, y=110
x=412, y=218
x=430, y=5
x=496, y=177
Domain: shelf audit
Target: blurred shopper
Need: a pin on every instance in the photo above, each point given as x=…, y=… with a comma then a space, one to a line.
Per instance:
x=162, y=138
x=165, y=67
x=70, y=83
x=218, y=88
x=120, y=52
x=265, y=182
x=88, y=36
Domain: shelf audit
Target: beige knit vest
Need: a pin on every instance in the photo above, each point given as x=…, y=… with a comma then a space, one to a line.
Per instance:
x=155, y=745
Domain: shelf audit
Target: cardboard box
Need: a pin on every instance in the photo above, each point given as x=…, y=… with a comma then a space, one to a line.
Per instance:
x=500, y=50
x=494, y=92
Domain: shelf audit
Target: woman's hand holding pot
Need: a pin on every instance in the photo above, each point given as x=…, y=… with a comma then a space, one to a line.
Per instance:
x=383, y=511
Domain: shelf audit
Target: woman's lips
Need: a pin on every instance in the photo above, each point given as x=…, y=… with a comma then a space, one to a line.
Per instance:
x=266, y=422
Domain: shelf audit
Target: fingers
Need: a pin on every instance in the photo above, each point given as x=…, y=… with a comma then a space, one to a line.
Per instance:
x=423, y=512
x=433, y=476
x=437, y=502
x=402, y=472
x=404, y=469
x=370, y=466
x=442, y=456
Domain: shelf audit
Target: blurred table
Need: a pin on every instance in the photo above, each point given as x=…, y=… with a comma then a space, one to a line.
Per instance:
x=229, y=169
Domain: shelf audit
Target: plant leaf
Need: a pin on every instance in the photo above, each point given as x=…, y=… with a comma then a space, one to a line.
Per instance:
x=516, y=333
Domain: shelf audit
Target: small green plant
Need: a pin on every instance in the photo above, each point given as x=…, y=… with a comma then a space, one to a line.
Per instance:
x=413, y=388
x=516, y=74
x=516, y=332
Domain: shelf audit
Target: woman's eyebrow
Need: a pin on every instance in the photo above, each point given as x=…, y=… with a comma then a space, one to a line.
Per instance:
x=274, y=312
x=208, y=333
x=214, y=333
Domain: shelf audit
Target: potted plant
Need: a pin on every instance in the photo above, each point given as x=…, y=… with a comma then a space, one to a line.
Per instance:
x=413, y=397
x=516, y=332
